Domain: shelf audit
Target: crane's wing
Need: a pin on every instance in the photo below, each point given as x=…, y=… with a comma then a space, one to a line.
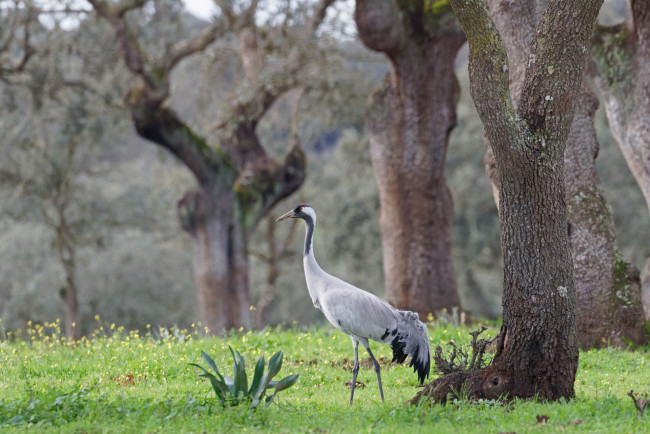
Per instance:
x=360, y=313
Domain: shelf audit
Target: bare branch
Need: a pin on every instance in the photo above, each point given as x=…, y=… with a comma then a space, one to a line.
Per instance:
x=316, y=19
x=132, y=52
x=226, y=9
x=193, y=45
x=249, y=54
x=266, y=94
x=19, y=18
x=249, y=14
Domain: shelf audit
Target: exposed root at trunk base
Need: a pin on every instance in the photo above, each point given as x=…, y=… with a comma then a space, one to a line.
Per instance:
x=488, y=383
x=465, y=374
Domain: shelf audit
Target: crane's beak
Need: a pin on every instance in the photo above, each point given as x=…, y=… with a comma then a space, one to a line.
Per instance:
x=288, y=215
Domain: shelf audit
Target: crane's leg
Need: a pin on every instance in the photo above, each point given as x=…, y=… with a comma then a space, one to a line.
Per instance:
x=376, y=363
x=355, y=369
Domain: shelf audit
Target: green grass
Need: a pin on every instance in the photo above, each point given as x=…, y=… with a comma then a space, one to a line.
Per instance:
x=125, y=382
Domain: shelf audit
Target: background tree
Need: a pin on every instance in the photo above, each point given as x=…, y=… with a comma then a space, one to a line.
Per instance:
x=537, y=352
x=409, y=120
x=621, y=58
x=47, y=156
x=237, y=181
x=607, y=286
x=15, y=39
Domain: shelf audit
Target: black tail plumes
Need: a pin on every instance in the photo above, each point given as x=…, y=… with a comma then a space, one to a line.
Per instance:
x=412, y=339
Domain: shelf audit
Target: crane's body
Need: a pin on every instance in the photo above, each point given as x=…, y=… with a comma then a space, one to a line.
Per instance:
x=360, y=314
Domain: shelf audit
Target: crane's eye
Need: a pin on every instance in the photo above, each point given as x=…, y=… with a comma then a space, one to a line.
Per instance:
x=297, y=210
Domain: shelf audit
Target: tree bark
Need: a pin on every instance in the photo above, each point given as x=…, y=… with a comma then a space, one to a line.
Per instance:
x=220, y=258
x=537, y=353
x=610, y=310
x=621, y=60
x=409, y=120
x=608, y=290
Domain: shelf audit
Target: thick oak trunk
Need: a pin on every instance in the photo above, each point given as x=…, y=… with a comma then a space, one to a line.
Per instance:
x=537, y=351
x=608, y=289
x=220, y=258
x=409, y=120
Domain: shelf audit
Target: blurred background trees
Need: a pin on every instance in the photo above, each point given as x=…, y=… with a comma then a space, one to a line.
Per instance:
x=133, y=265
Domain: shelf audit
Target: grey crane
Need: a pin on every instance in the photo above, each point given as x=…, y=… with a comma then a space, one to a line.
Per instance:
x=360, y=314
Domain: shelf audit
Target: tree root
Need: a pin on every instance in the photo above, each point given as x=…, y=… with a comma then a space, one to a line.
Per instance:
x=465, y=375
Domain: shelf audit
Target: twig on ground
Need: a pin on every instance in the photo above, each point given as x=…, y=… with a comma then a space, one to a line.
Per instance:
x=640, y=403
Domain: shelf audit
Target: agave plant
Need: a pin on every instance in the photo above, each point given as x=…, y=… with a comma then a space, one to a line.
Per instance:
x=235, y=390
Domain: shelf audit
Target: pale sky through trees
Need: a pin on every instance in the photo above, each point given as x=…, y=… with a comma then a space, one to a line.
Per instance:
x=201, y=8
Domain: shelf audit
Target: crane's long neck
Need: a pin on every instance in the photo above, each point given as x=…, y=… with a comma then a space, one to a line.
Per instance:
x=313, y=273
x=309, y=236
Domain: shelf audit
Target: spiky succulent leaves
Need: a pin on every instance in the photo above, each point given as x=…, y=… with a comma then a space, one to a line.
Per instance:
x=281, y=385
x=286, y=383
x=257, y=377
x=275, y=364
x=240, y=382
x=234, y=390
x=210, y=361
x=218, y=385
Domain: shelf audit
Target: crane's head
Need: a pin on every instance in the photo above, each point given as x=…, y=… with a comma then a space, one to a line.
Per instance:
x=302, y=211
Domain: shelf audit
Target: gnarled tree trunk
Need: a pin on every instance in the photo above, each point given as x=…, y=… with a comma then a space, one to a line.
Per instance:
x=409, y=119
x=537, y=351
x=608, y=289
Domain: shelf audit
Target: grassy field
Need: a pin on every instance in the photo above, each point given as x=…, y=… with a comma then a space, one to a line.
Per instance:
x=125, y=382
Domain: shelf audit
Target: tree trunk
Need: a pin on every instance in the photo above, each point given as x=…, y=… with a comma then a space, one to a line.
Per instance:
x=409, y=120
x=610, y=310
x=605, y=296
x=537, y=353
x=220, y=258
x=621, y=57
x=69, y=291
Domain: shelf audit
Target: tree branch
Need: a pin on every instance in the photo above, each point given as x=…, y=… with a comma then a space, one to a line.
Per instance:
x=265, y=94
x=488, y=63
x=192, y=45
x=316, y=19
x=545, y=98
x=152, y=119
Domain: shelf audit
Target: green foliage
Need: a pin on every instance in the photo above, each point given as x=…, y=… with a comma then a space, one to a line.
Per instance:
x=234, y=390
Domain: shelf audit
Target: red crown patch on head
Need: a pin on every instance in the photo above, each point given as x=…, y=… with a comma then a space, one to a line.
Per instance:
x=303, y=204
